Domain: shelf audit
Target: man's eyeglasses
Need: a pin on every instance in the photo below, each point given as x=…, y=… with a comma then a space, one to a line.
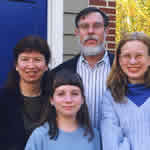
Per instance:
x=95, y=26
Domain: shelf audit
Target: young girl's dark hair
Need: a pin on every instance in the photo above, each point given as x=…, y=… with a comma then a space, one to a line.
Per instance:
x=65, y=77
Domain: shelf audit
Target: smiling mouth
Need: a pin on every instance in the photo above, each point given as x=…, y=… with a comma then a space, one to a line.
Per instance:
x=31, y=74
x=133, y=69
x=68, y=107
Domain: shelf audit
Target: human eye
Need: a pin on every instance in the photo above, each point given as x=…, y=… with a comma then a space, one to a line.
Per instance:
x=125, y=56
x=24, y=59
x=139, y=56
x=75, y=93
x=98, y=25
x=38, y=59
x=60, y=93
x=84, y=26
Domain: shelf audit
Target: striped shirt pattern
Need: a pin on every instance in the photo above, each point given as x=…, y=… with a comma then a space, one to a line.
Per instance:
x=94, y=80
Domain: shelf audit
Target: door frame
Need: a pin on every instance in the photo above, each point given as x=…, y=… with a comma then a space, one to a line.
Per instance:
x=55, y=30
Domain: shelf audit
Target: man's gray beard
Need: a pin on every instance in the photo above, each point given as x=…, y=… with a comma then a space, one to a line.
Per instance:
x=90, y=50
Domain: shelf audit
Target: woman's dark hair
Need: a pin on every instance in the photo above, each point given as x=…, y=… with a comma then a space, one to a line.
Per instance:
x=65, y=77
x=117, y=80
x=32, y=43
x=28, y=44
x=89, y=10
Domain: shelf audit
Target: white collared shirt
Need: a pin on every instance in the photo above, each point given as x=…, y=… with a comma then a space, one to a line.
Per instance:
x=94, y=80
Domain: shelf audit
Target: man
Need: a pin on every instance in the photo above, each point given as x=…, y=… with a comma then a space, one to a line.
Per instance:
x=94, y=62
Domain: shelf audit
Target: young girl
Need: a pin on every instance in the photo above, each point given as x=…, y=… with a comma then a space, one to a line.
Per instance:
x=126, y=104
x=66, y=125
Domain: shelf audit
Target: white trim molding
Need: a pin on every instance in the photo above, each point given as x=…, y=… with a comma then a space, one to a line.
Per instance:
x=55, y=30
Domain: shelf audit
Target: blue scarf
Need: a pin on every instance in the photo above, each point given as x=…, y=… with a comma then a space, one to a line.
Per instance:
x=138, y=93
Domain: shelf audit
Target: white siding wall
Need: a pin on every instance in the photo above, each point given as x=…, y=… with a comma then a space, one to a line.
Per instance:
x=71, y=8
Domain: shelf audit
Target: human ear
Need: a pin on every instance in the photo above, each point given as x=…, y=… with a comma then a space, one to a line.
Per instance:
x=106, y=30
x=51, y=101
x=76, y=31
x=46, y=68
x=16, y=68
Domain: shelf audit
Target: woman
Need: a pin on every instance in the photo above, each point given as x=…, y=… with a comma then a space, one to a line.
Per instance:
x=125, y=108
x=66, y=125
x=24, y=95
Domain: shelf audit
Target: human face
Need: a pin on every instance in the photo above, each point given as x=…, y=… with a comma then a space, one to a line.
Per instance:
x=31, y=66
x=91, y=32
x=134, y=60
x=67, y=100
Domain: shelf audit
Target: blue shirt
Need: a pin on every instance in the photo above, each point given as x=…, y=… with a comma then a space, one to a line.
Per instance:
x=138, y=93
x=125, y=126
x=40, y=140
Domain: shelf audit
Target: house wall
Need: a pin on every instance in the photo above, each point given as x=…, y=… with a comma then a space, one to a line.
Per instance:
x=71, y=8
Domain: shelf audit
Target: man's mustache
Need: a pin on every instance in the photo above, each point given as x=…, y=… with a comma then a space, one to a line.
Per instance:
x=93, y=37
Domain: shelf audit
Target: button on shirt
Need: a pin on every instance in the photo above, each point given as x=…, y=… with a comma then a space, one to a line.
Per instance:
x=94, y=80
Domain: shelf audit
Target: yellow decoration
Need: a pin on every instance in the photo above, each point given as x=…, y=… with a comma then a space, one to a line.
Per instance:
x=131, y=16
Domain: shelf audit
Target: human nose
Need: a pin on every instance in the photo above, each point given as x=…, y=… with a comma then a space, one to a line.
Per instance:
x=132, y=60
x=31, y=64
x=68, y=98
x=90, y=29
